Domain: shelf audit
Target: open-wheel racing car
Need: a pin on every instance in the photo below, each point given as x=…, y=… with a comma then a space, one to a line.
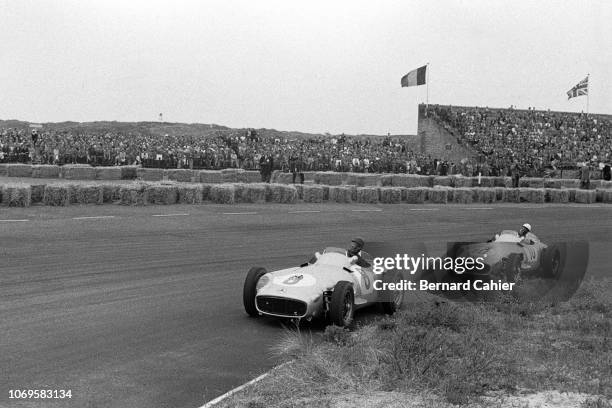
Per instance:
x=330, y=286
x=510, y=258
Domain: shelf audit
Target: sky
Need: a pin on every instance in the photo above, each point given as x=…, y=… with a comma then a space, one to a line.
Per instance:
x=311, y=66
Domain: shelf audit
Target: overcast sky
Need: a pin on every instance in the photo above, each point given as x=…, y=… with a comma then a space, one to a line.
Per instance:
x=314, y=66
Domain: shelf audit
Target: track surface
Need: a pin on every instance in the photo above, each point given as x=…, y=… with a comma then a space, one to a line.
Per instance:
x=135, y=309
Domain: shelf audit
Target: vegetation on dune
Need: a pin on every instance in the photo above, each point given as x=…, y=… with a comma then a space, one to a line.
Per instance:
x=459, y=352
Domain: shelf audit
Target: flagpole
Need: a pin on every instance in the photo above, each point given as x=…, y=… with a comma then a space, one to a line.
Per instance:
x=588, y=94
x=427, y=80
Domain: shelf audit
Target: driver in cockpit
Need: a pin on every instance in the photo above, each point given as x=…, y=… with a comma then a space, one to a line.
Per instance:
x=355, y=250
x=524, y=234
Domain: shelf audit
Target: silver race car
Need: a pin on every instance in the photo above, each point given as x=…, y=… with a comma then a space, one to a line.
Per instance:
x=330, y=286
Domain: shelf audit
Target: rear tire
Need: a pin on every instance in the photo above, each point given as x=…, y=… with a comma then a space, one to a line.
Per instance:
x=392, y=299
x=249, y=291
x=342, y=305
x=553, y=261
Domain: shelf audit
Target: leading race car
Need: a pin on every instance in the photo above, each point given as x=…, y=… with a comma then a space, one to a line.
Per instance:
x=511, y=258
x=330, y=286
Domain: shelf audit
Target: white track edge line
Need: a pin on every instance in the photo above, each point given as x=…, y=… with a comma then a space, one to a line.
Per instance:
x=14, y=220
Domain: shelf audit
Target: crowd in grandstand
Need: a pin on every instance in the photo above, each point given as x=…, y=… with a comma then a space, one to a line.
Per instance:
x=505, y=142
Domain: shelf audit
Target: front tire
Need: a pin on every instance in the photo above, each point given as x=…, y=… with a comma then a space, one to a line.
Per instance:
x=342, y=305
x=250, y=290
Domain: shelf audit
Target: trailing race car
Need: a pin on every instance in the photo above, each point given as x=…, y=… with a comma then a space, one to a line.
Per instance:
x=511, y=258
x=330, y=286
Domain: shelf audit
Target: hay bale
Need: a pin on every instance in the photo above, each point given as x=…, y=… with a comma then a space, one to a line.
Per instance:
x=485, y=182
x=460, y=181
x=19, y=170
x=38, y=191
x=361, y=179
x=108, y=173
x=78, y=172
x=300, y=191
x=367, y=195
x=390, y=195
x=557, y=195
x=502, y=182
x=210, y=176
x=437, y=195
x=3, y=170
x=129, y=172
x=411, y=180
x=251, y=176
x=222, y=194
x=341, y=194
x=484, y=194
x=501, y=194
x=16, y=195
x=86, y=194
x=606, y=196
x=416, y=195
x=604, y=184
x=150, y=174
x=329, y=178
x=281, y=193
x=250, y=193
x=180, y=175
x=531, y=182
x=45, y=171
x=133, y=194
x=569, y=183
x=281, y=177
x=531, y=195
x=111, y=193
x=513, y=195
x=56, y=195
x=463, y=195
x=189, y=193
x=313, y=193
x=585, y=196
x=386, y=180
x=206, y=191
x=446, y=181
x=161, y=194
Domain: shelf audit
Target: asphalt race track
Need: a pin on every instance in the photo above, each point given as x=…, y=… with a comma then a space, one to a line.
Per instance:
x=142, y=307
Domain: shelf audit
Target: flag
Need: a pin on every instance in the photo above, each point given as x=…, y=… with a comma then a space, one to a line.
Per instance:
x=415, y=77
x=581, y=88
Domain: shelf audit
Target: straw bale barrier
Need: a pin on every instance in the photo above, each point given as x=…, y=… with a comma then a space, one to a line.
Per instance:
x=416, y=195
x=391, y=195
x=367, y=195
x=56, y=195
x=531, y=195
x=281, y=193
x=531, y=182
x=585, y=196
x=45, y=171
x=313, y=193
x=86, y=194
x=411, y=180
x=602, y=184
x=3, y=170
x=133, y=194
x=329, y=178
x=386, y=180
x=189, y=193
x=38, y=191
x=129, y=172
x=180, y=175
x=461, y=195
x=300, y=191
x=78, y=172
x=438, y=195
x=206, y=191
x=111, y=193
x=211, y=176
x=461, y=181
x=362, y=179
x=250, y=193
x=281, y=177
x=108, y=173
x=501, y=194
x=222, y=194
x=341, y=194
x=513, y=195
x=484, y=194
x=557, y=195
x=16, y=195
x=484, y=182
x=446, y=181
x=250, y=176
x=150, y=174
x=19, y=170
x=502, y=181
x=605, y=196
x=161, y=194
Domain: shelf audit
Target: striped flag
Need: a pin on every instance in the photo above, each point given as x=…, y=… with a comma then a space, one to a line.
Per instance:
x=581, y=88
x=415, y=77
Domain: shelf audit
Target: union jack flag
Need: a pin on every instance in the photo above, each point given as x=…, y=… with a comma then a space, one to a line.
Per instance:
x=581, y=88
